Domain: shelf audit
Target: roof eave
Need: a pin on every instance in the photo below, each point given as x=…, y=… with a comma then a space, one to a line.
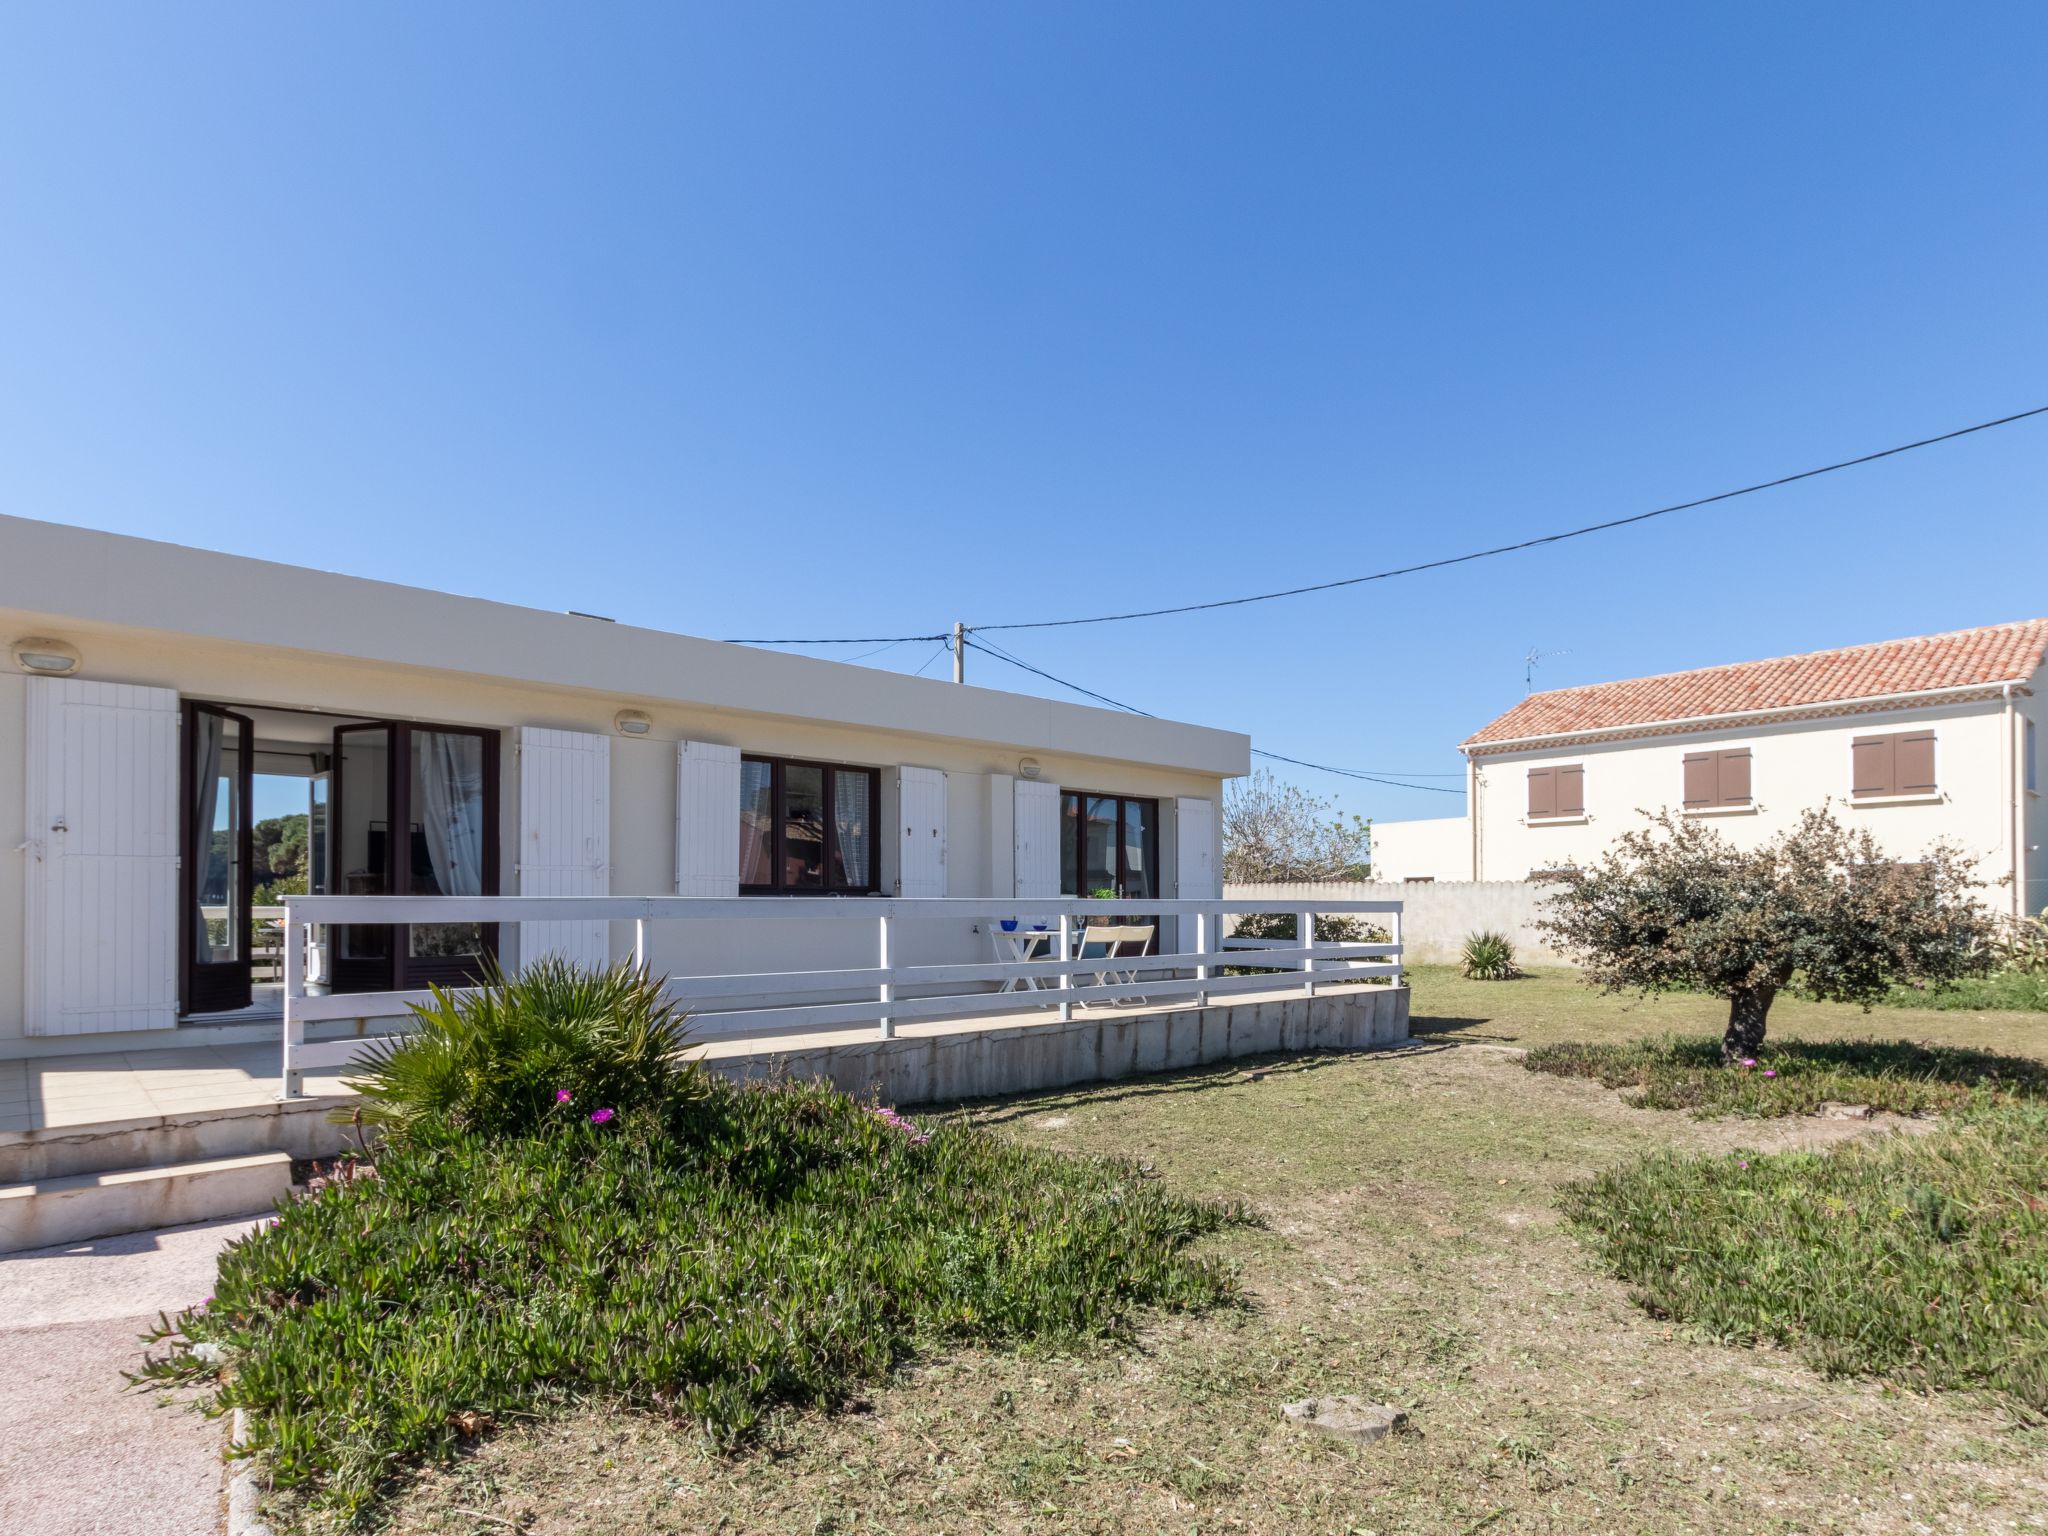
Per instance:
x=1473, y=746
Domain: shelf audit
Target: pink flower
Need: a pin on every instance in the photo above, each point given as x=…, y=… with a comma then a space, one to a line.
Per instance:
x=1770, y=1071
x=599, y=1116
x=561, y=1095
x=1749, y=1061
x=1742, y=1164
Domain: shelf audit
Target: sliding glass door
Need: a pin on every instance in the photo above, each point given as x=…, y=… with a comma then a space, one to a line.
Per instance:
x=214, y=867
x=415, y=813
x=1110, y=843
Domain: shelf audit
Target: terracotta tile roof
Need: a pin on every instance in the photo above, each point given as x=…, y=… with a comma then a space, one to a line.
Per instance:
x=1997, y=653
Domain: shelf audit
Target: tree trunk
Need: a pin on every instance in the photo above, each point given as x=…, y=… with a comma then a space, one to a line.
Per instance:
x=1748, y=1007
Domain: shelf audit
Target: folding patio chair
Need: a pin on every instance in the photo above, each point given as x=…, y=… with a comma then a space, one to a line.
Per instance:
x=1119, y=949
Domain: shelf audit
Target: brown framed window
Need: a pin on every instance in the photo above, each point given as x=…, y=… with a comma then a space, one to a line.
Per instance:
x=1717, y=780
x=808, y=829
x=1898, y=763
x=1558, y=790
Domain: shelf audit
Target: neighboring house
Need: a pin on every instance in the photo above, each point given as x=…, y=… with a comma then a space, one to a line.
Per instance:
x=160, y=700
x=1934, y=737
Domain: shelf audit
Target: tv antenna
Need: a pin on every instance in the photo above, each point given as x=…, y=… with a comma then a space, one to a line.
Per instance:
x=1529, y=666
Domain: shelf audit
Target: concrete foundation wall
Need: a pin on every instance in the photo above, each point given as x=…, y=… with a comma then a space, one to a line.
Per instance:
x=1436, y=916
x=979, y=1064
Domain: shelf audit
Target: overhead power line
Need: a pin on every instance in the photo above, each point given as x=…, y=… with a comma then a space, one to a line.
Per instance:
x=1103, y=698
x=1507, y=549
x=842, y=640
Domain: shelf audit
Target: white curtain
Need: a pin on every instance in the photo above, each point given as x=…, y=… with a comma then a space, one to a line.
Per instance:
x=449, y=773
x=210, y=736
x=850, y=797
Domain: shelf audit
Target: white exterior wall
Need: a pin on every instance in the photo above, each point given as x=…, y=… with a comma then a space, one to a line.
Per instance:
x=2033, y=817
x=1162, y=760
x=1794, y=765
x=1437, y=849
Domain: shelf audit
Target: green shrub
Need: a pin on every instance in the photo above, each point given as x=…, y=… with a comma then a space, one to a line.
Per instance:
x=492, y=1060
x=704, y=1260
x=2023, y=945
x=1923, y=1259
x=1796, y=1077
x=1489, y=956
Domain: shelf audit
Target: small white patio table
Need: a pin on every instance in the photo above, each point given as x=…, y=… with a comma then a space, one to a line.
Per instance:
x=1019, y=944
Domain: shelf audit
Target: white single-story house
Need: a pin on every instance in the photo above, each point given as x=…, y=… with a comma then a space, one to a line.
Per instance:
x=1933, y=737
x=161, y=703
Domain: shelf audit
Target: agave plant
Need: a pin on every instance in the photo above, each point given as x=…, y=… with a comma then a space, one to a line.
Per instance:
x=2023, y=945
x=554, y=1044
x=1490, y=956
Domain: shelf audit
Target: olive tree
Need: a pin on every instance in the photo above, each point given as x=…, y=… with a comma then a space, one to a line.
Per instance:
x=1675, y=906
x=1280, y=832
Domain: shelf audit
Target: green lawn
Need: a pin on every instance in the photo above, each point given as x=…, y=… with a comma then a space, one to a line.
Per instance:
x=1550, y=1005
x=1411, y=1249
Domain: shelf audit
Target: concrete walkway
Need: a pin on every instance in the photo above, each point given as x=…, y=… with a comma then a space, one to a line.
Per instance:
x=80, y=1456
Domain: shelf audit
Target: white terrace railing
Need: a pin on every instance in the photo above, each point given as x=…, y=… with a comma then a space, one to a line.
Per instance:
x=727, y=1005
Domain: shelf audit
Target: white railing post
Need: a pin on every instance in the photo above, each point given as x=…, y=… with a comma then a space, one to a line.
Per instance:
x=1202, y=948
x=640, y=944
x=1066, y=955
x=888, y=990
x=292, y=1084
x=1305, y=936
x=1400, y=950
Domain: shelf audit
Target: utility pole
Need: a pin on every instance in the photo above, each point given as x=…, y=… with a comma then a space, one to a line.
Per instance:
x=959, y=653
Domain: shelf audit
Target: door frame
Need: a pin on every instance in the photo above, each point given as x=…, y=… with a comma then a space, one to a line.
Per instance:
x=1123, y=869
x=398, y=970
x=235, y=992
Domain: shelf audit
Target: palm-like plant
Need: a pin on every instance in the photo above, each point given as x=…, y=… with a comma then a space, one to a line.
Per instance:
x=498, y=1059
x=1490, y=956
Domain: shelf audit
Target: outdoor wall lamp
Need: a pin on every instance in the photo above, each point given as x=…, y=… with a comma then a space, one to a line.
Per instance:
x=1027, y=767
x=632, y=722
x=51, y=658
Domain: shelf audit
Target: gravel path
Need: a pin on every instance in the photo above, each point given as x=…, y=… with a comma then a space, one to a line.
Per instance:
x=79, y=1456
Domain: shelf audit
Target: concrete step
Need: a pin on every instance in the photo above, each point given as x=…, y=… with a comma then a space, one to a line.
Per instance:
x=44, y=1212
x=302, y=1128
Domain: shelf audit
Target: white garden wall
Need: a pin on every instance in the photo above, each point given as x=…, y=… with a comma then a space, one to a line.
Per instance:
x=1436, y=916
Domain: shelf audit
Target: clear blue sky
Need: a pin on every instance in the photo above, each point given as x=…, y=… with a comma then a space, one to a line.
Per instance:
x=859, y=319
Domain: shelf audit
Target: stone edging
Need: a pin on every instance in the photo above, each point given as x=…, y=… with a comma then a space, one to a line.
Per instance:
x=245, y=1488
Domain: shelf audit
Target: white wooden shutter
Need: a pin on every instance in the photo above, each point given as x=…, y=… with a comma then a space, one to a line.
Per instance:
x=707, y=820
x=565, y=838
x=1038, y=838
x=102, y=854
x=921, y=850
x=1195, y=839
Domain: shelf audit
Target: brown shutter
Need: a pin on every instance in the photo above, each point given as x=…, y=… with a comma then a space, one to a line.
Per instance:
x=1571, y=790
x=1871, y=765
x=1542, y=791
x=1914, y=759
x=1734, y=776
x=1700, y=781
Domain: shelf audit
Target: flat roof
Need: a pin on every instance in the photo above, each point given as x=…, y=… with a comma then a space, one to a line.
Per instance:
x=53, y=572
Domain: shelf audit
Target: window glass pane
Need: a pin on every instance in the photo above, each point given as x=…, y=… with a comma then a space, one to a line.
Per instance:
x=803, y=827
x=1070, y=845
x=444, y=846
x=1098, y=846
x=362, y=834
x=216, y=780
x=757, y=823
x=1140, y=880
x=850, y=805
